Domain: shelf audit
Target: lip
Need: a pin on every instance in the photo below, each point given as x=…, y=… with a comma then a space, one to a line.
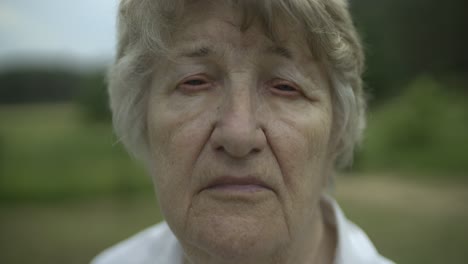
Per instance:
x=244, y=183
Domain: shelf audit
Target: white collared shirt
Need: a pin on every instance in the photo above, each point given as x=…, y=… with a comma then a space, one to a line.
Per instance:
x=158, y=245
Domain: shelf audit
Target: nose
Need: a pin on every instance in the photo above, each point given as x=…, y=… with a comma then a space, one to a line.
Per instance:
x=237, y=131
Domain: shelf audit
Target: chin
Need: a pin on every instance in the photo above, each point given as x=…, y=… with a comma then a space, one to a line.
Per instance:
x=238, y=238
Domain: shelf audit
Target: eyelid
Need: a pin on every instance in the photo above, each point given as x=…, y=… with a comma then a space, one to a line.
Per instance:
x=194, y=77
x=276, y=82
x=184, y=86
x=284, y=82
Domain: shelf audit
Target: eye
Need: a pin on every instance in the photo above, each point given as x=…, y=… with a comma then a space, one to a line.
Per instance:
x=284, y=88
x=195, y=83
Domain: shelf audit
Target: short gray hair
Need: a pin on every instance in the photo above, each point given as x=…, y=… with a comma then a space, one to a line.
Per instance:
x=144, y=26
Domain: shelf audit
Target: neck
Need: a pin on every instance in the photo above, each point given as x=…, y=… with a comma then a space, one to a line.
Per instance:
x=317, y=246
x=313, y=245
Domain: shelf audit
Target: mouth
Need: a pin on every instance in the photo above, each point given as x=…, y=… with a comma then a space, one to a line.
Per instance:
x=245, y=184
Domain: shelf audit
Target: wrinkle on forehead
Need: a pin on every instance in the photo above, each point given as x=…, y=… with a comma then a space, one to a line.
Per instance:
x=245, y=21
x=212, y=35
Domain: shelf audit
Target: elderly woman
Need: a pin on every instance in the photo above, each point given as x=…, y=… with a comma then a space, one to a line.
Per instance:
x=241, y=110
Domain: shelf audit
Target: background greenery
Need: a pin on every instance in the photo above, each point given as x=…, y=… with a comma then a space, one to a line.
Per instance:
x=69, y=190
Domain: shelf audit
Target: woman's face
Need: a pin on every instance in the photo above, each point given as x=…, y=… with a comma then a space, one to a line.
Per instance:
x=239, y=129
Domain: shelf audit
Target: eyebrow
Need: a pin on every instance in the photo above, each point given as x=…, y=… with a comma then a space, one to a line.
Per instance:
x=280, y=51
x=206, y=51
x=198, y=53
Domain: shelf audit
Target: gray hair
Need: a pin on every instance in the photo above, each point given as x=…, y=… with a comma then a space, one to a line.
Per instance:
x=145, y=26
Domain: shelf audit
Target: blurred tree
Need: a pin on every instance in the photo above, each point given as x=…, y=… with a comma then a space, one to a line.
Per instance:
x=409, y=38
x=424, y=129
x=45, y=85
x=92, y=98
x=37, y=85
x=2, y=155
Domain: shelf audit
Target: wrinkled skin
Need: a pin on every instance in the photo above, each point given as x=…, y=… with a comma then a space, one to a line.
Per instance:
x=228, y=104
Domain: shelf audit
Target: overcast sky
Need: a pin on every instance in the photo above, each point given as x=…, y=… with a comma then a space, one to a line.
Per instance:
x=77, y=30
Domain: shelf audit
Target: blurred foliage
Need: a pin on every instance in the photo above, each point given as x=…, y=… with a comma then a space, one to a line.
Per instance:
x=37, y=85
x=2, y=154
x=404, y=39
x=92, y=98
x=49, y=85
x=425, y=129
x=53, y=155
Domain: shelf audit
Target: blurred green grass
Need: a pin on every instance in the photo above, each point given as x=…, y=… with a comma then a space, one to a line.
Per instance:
x=67, y=191
x=50, y=152
x=72, y=232
x=409, y=220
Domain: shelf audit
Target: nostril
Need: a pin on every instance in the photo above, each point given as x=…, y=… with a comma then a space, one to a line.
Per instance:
x=256, y=150
x=220, y=149
x=223, y=149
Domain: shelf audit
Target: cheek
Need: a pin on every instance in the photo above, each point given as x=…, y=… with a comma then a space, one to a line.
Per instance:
x=177, y=133
x=178, y=125
x=175, y=144
x=300, y=144
x=303, y=134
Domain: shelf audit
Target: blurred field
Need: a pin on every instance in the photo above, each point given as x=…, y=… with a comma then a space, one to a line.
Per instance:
x=67, y=191
x=49, y=151
x=409, y=221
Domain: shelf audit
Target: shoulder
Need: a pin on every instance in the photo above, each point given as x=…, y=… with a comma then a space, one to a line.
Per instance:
x=356, y=245
x=156, y=244
x=353, y=245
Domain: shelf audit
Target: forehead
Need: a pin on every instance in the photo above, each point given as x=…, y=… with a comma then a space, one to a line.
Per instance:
x=215, y=22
